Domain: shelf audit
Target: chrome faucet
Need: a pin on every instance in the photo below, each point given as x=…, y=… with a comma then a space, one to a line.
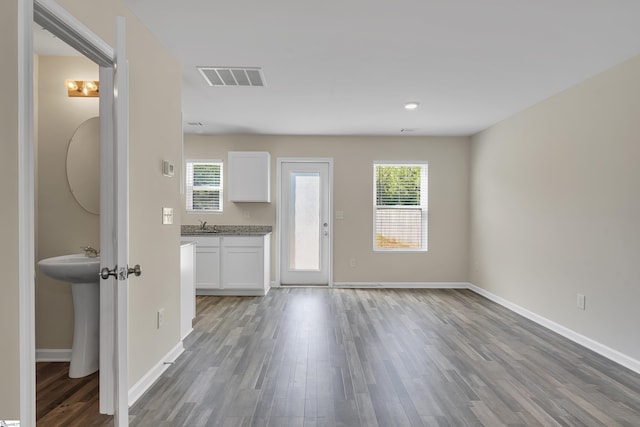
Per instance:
x=90, y=252
x=203, y=225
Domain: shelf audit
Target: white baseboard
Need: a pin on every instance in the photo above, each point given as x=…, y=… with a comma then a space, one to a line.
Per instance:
x=187, y=334
x=402, y=285
x=53, y=355
x=233, y=292
x=154, y=373
x=587, y=342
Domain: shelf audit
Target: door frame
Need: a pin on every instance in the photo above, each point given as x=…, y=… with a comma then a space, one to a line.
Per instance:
x=65, y=26
x=279, y=209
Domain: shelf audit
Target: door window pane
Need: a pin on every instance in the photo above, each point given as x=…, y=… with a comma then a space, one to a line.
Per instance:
x=304, y=224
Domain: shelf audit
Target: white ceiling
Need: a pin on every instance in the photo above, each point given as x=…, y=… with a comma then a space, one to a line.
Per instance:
x=346, y=67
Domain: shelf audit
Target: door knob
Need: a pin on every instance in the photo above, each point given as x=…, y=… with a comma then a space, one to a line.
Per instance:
x=105, y=273
x=136, y=271
x=121, y=274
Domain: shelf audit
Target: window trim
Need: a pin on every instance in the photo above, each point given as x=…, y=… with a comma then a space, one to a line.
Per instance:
x=424, y=205
x=189, y=191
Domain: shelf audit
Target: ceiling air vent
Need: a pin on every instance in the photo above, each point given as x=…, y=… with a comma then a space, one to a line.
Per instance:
x=232, y=76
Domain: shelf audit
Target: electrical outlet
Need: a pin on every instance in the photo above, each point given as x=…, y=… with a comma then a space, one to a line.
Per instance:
x=160, y=318
x=353, y=263
x=246, y=214
x=581, y=301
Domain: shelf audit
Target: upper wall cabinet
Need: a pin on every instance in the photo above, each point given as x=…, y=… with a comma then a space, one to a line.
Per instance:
x=249, y=176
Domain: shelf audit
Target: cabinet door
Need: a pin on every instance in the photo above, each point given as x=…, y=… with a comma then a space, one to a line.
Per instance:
x=207, y=268
x=249, y=176
x=243, y=268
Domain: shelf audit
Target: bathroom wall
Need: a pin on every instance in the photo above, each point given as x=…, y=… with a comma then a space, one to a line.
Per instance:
x=555, y=209
x=63, y=225
x=9, y=219
x=448, y=158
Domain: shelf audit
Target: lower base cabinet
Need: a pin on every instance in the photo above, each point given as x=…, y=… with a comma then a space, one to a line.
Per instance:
x=232, y=265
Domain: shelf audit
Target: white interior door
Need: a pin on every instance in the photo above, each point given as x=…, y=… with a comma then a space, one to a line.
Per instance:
x=121, y=170
x=114, y=234
x=305, y=228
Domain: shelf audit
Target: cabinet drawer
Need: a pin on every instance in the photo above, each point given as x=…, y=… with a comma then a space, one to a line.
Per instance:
x=243, y=241
x=206, y=241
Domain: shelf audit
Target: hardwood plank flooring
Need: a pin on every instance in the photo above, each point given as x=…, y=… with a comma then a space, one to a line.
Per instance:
x=353, y=357
x=64, y=401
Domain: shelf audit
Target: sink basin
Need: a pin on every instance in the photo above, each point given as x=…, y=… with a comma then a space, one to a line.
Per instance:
x=77, y=268
x=82, y=272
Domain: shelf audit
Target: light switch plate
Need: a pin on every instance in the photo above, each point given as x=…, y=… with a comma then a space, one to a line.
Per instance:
x=167, y=168
x=339, y=214
x=167, y=216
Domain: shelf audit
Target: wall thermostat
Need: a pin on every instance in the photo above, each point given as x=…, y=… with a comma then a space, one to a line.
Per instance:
x=167, y=168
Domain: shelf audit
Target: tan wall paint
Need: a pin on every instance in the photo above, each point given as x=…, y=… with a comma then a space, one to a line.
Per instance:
x=555, y=208
x=63, y=225
x=9, y=291
x=448, y=157
x=155, y=134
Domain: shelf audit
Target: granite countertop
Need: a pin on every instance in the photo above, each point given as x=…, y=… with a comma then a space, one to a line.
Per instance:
x=226, y=230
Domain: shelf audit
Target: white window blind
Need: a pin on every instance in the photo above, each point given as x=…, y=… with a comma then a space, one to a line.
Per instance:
x=204, y=185
x=400, y=206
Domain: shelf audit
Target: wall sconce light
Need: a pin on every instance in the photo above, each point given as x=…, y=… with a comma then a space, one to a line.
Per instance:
x=82, y=88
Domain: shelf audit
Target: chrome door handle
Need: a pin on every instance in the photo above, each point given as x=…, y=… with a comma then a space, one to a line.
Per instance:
x=136, y=271
x=105, y=273
x=121, y=274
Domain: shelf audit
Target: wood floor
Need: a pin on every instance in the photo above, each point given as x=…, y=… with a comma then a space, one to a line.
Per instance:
x=64, y=401
x=342, y=357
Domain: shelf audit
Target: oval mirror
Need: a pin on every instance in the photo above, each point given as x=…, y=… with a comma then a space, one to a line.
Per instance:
x=83, y=165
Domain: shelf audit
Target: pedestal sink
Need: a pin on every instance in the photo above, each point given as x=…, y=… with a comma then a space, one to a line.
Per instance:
x=82, y=272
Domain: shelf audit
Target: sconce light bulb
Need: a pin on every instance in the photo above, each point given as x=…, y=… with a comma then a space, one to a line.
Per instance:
x=90, y=85
x=72, y=85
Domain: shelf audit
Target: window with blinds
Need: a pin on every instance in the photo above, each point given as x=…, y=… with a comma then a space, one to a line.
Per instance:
x=204, y=185
x=400, y=207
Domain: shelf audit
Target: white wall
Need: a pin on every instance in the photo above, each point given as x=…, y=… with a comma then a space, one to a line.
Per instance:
x=448, y=158
x=555, y=208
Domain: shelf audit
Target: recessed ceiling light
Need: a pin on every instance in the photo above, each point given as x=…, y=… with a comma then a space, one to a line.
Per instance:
x=411, y=105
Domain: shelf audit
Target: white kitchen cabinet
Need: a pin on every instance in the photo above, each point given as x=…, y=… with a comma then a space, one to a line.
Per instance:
x=249, y=176
x=245, y=263
x=207, y=262
x=187, y=287
x=233, y=265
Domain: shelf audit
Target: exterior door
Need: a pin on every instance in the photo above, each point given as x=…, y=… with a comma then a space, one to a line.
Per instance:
x=305, y=229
